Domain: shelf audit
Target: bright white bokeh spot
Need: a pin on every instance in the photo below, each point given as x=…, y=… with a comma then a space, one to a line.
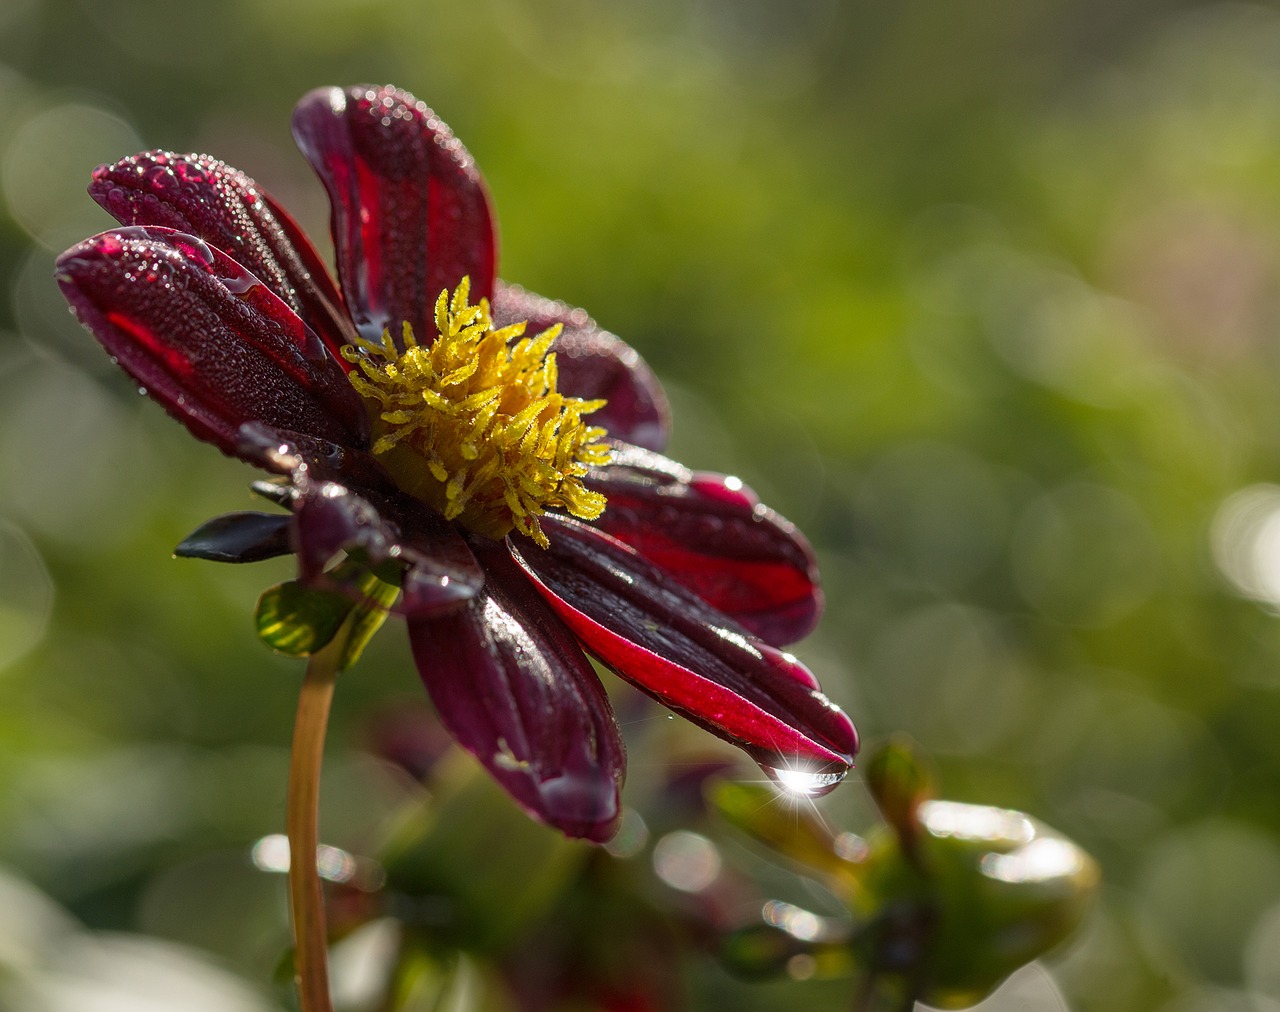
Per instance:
x=795, y=921
x=850, y=847
x=1039, y=861
x=686, y=861
x=631, y=837
x=271, y=853
x=976, y=822
x=1246, y=542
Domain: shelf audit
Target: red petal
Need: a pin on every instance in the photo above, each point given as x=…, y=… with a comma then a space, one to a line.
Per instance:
x=687, y=655
x=206, y=338
x=410, y=213
x=207, y=198
x=440, y=571
x=294, y=455
x=716, y=538
x=516, y=691
x=593, y=363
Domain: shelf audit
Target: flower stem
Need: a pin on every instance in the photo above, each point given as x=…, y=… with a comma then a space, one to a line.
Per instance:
x=310, y=934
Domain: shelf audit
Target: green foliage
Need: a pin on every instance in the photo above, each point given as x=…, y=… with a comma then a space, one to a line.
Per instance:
x=945, y=900
x=482, y=868
x=299, y=620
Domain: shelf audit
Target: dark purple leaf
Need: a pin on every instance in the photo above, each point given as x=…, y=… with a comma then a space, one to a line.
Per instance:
x=515, y=690
x=238, y=537
x=688, y=656
x=594, y=363
x=717, y=539
x=206, y=339
x=410, y=213
x=207, y=198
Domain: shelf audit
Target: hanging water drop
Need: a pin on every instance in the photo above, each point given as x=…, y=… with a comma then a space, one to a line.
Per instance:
x=805, y=783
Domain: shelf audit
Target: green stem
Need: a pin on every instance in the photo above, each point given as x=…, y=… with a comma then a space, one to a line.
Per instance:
x=310, y=934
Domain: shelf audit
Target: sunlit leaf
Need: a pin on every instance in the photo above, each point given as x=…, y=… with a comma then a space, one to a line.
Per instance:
x=366, y=618
x=299, y=620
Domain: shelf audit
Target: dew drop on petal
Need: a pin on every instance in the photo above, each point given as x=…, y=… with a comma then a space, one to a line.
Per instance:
x=805, y=783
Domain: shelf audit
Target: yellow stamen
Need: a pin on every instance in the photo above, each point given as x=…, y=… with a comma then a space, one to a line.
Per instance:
x=473, y=424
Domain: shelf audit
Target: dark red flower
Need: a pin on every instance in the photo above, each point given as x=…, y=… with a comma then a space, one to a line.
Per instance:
x=216, y=303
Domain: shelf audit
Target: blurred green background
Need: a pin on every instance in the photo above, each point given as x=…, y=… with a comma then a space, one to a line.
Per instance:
x=985, y=296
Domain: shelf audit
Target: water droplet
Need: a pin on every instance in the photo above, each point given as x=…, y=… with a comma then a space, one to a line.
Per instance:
x=240, y=285
x=806, y=783
x=143, y=391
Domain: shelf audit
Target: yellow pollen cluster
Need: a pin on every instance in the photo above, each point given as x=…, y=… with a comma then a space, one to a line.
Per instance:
x=473, y=424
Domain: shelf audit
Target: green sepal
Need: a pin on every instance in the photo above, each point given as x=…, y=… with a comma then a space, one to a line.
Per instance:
x=300, y=620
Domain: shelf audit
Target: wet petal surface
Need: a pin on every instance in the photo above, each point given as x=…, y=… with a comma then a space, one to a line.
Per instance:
x=207, y=339
x=209, y=199
x=716, y=538
x=410, y=213
x=515, y=690
x=688, y=656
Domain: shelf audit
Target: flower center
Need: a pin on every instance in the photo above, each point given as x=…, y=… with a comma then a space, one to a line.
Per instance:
x=473, y=424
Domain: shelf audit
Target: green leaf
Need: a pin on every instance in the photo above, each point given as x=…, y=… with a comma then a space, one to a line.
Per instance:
x=299, y=620
x=367, y=617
